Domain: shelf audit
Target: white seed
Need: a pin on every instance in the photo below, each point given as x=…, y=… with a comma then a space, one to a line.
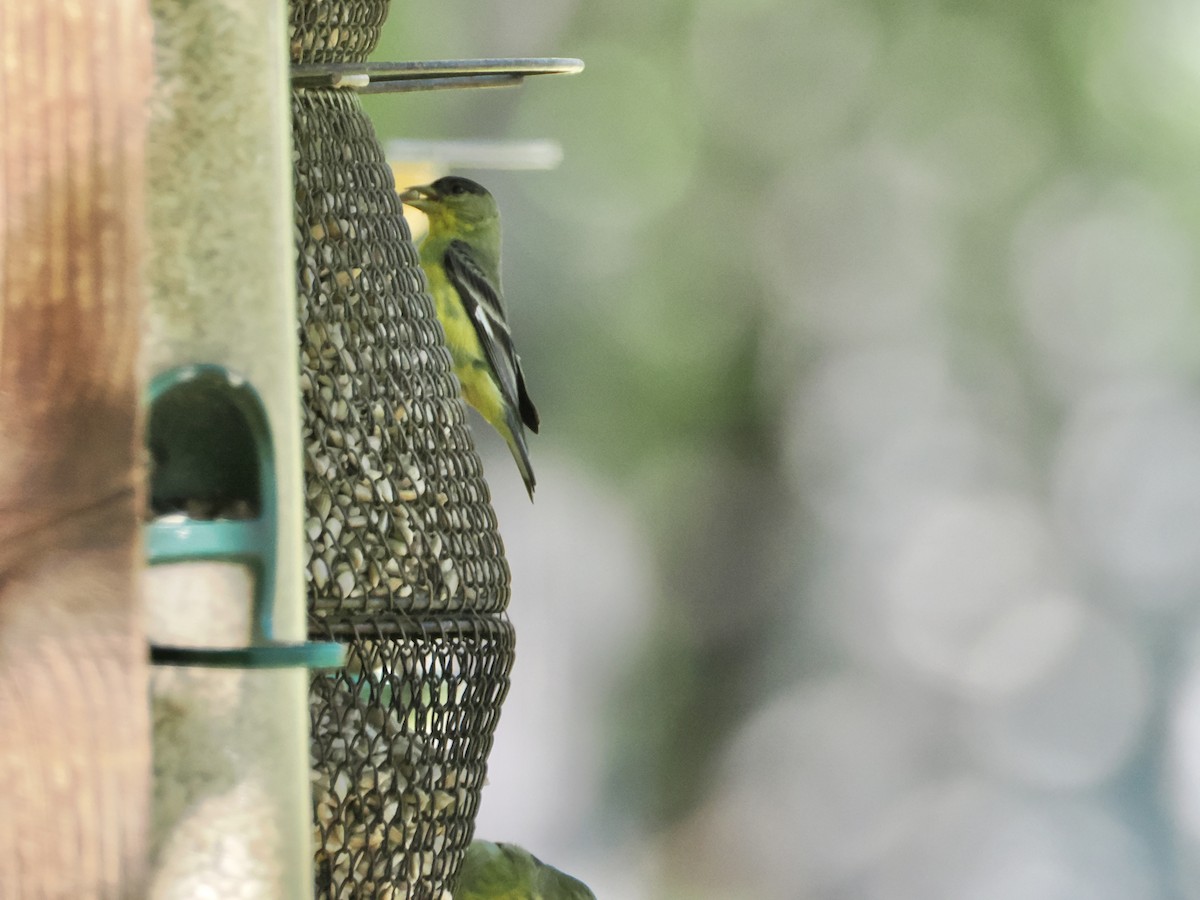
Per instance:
x=320, y=572
x=452, y=582
x=384, y=488
x=335, y=838
x=323, y=504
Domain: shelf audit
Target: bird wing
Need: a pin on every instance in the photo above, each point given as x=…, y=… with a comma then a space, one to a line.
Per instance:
x=483, y=304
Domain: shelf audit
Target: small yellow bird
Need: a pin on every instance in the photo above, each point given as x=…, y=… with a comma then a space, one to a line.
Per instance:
x=508, y=872
x=461, y=259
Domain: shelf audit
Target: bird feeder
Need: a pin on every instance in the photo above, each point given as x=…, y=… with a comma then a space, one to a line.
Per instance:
x=404, y=564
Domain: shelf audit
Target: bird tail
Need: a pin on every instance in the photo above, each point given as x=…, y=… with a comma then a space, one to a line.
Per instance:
x=515, y=437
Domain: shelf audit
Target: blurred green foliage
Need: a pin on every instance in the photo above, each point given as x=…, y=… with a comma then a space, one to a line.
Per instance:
x=752, y=190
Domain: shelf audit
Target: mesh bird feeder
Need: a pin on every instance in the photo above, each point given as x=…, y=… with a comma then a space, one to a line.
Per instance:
x=405, y=565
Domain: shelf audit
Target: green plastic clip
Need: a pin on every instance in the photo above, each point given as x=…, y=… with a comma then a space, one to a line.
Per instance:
x=210, y=443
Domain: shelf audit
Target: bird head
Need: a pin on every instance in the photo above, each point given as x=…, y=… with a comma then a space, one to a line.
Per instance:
x=453, y=201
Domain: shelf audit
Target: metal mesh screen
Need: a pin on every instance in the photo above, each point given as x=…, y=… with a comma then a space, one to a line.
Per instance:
x=405, y=563
x=334, y=31
x=400, y=742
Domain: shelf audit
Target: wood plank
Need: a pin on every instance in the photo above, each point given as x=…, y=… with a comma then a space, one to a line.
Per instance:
x=74, y=731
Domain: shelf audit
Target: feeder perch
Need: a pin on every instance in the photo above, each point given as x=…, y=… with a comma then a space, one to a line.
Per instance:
x=213, y=486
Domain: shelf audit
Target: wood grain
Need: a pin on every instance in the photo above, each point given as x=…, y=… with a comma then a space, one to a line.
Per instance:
x=74, y=741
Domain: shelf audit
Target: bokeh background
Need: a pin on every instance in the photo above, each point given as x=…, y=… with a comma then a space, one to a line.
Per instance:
x=866, y=549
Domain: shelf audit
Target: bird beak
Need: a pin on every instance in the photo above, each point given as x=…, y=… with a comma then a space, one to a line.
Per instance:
x=420, y=197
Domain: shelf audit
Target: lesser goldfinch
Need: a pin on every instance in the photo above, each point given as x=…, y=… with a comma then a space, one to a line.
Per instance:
x=461, y=259
x=507, y=872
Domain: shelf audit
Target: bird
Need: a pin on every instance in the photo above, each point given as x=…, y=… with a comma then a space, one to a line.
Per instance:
x=461, y=259
x=507, y=872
